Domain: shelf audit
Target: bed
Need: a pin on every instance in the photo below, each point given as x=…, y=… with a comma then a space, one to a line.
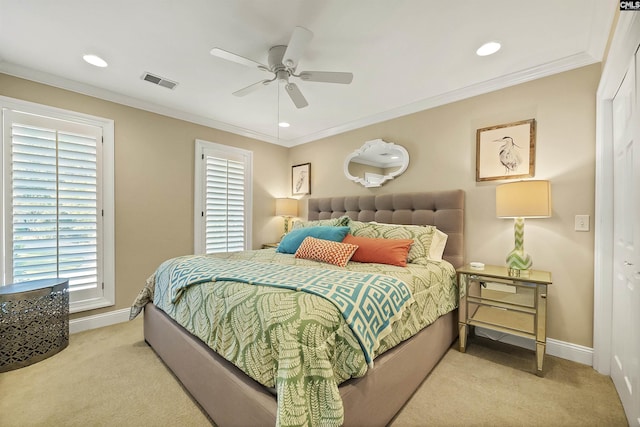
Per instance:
x=232, y=398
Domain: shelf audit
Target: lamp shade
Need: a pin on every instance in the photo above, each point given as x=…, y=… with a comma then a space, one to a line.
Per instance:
x=286, y=207
x=524, y=199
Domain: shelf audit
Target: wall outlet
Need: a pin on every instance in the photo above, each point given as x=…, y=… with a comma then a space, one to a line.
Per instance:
x=582, y=223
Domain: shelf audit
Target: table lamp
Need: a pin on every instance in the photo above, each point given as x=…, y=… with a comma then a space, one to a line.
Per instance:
x=286, y=208
x=520, y=200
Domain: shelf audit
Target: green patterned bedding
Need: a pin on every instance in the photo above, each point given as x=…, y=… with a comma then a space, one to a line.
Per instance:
x=296, y=342
x=369, y=302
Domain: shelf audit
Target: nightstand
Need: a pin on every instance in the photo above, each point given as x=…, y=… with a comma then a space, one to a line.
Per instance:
x=270, y=245
x=493, y=299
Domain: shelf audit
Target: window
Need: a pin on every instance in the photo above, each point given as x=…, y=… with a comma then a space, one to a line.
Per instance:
x=57, y=204
x=222, y=198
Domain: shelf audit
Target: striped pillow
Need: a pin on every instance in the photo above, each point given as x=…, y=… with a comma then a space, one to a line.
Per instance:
x=333, y=222
x=422, y=236
x=335, y=253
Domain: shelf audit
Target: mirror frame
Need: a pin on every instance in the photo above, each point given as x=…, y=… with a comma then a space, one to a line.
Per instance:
x=371, y=144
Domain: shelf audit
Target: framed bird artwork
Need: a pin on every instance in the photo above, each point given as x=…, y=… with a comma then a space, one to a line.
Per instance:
x=301, y=179
x=506, y=151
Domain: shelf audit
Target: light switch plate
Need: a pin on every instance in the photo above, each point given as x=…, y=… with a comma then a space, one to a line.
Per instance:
x=582, y=223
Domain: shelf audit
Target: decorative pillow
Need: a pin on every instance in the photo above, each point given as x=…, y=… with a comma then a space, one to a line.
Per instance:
x=292, y=240
x=438, y=242
x=335, y=253
x=381, y=251
x=421, y=235
x=333, y=222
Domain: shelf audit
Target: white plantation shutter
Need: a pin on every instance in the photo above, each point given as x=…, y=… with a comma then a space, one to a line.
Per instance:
x=53, y=203
x=224, y=214
x=223, y=188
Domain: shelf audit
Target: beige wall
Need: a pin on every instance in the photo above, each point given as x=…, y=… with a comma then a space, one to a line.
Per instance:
x=154, y=180
x=441, y=146
x=154, y=167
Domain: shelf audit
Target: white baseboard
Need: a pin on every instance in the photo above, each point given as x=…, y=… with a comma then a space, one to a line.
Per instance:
x=98, y=320
x=561, y=349
x=574, y=352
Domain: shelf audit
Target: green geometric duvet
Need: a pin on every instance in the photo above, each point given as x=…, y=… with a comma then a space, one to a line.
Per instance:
x=295, y=342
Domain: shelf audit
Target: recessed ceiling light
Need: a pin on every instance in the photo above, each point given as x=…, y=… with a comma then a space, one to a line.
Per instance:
x=95, y=60
x=488, y=49
x=284, y=124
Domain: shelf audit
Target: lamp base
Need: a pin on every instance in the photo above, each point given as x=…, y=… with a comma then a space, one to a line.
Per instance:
x=286, y=225
x=518, y=260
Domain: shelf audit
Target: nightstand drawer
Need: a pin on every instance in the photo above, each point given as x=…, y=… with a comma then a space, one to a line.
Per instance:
x=522, y=297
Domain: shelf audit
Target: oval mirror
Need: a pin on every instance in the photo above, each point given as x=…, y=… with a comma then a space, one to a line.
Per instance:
x=375, y=162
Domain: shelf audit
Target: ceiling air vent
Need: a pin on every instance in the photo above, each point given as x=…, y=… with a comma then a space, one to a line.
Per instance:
x=160, y=81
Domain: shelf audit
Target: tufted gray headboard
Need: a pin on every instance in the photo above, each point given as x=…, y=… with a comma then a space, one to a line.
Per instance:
x=444, y=209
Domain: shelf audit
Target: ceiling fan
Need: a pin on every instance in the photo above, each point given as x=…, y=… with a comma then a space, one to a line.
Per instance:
x=283, y=61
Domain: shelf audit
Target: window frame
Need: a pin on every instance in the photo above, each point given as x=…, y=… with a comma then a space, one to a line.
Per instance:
x=106, y=295
x=201, y=146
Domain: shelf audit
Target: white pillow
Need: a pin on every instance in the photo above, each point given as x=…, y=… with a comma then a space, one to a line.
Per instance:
x=438, y=242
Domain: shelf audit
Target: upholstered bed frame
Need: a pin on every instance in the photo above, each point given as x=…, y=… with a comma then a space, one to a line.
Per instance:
x=231, y=398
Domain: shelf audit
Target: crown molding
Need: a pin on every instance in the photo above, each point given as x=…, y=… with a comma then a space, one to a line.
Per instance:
x=96, y=92
x=527, y=75
x=523, y=76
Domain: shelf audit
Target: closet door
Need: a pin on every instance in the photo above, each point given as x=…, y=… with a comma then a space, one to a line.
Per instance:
x=625, y=334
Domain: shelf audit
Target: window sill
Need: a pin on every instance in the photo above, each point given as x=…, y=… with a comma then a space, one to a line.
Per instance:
x=92, y=304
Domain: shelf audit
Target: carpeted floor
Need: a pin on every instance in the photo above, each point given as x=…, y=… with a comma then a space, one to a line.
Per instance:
x=110, y=377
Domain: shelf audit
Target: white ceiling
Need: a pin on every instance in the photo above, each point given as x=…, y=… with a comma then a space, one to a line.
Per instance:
x=406, y=55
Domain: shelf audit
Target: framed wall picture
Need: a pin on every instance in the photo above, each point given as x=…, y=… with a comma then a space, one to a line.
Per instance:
x=301, y=179
x=506, y=151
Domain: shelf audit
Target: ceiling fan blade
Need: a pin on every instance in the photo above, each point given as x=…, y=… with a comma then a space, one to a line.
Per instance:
x=252, y=88
x=300, y=39
x=326, y=77
x=221, y=53
x=295, y=95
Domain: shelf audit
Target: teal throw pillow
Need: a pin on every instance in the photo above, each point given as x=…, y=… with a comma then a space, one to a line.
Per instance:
x=292, y=240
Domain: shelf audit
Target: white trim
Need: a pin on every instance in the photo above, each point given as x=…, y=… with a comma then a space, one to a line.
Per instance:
x=564, y=350
x=574, y=352
x=519, y=77
x=601, y=27
x=98, y=320
x=46, y=110
x=564, y=64
x=108, y=191
x=623, y=45
x=86, y=89
x=199, y=196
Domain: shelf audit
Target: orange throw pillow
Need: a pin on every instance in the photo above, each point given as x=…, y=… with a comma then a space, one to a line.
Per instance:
x=381, y=251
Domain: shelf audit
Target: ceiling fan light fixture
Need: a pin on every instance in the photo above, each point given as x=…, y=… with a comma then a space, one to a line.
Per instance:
x=282, y=76
x=95, y=60
x=283, y=61
x=488, y=48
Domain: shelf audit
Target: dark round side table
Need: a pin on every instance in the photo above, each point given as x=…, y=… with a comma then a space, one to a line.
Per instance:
x=34, y=321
